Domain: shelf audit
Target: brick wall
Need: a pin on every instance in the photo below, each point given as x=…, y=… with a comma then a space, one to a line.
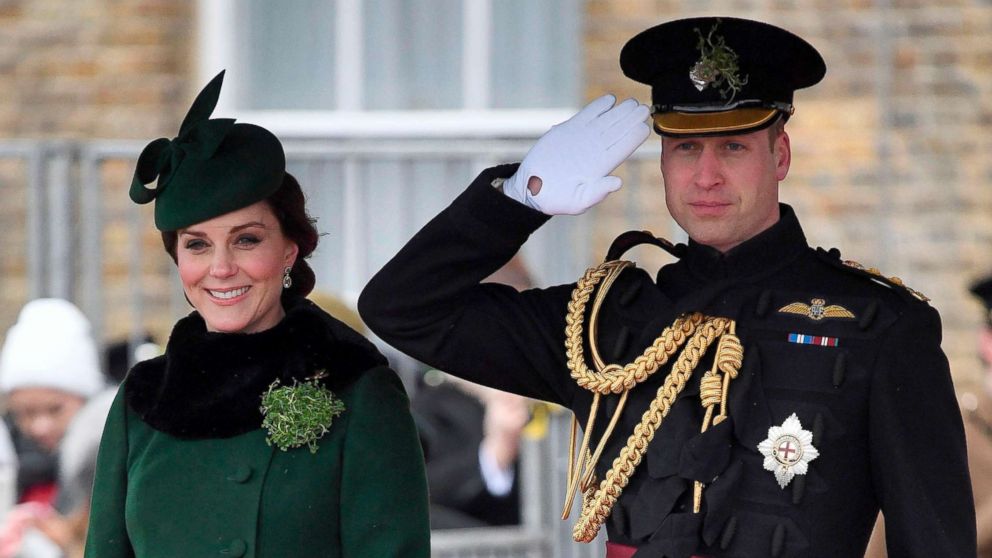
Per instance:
x=892, y=152
x=88, y=69
x=93, y=68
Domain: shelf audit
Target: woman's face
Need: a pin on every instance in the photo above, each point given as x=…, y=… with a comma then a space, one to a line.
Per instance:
x=232, y=268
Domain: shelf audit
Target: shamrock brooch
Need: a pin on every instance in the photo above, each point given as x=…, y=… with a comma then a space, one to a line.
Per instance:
x=299, y=414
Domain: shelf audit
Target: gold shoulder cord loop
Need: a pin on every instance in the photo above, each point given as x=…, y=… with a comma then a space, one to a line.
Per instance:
x=696, y=332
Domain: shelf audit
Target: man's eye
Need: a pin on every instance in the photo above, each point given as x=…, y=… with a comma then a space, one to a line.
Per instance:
x=734, y=146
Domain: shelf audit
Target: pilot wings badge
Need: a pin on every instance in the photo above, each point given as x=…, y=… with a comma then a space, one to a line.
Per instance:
x=817, y=310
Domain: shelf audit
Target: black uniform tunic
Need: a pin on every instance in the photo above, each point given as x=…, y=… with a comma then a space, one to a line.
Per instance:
x=880, y=403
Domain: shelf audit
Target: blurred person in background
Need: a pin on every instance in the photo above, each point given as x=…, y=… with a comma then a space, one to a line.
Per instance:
x=268, y=427
x=49, y=369
x=471, y=436
x=35, y=532
x=119, y=356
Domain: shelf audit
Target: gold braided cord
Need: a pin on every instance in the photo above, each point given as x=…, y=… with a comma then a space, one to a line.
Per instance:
x=613, y=271
x=696, y=332
x=579, y=474
x=609, y=378
x=575, y=471
x=612, y=378
x=587, y=479
x=597, y=508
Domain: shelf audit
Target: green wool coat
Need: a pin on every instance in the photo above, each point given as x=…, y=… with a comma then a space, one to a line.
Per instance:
x=363, y=493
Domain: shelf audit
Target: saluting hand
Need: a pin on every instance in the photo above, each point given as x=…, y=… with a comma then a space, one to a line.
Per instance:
x=568, y=169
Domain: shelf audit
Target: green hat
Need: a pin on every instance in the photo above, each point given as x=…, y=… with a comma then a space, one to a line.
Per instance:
x=212, y=167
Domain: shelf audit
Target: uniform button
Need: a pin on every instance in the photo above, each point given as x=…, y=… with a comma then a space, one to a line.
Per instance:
x=623, y=342
x=630, y=294
x=868, y=316
x=240, y=475
x=237, y=548
x=764, y=299
x=728, y=532
x=778, y=540
x=817, y=428
x=798, y=489
x=840, y=366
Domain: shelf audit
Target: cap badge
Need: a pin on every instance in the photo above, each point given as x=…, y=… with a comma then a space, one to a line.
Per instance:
x=717, y=65
x=788, y=450
x=817, y=310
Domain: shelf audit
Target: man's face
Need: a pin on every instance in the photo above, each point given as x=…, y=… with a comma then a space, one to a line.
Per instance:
x=724, y=190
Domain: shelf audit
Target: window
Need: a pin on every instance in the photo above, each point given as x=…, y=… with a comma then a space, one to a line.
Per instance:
x=394, y=55
x=402, y=103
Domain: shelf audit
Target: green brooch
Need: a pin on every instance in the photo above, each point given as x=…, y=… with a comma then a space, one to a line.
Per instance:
x=299, y=414
x=717, y=65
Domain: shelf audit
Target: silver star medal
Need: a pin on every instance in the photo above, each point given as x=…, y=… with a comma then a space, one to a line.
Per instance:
x=788, y=450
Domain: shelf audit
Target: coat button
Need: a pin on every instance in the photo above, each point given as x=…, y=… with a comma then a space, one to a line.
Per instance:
x=240, y=475
x=237, y=548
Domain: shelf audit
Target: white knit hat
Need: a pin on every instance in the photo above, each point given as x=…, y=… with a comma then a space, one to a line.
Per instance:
x=51, y=346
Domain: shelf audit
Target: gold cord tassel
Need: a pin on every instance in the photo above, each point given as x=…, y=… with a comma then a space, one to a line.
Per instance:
x=713, y=391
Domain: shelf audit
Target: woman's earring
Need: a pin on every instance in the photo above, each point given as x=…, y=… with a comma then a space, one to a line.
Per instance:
x=287, y=281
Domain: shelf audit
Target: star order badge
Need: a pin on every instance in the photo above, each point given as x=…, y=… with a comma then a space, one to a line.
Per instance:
x=788, y=450
x=817, y=309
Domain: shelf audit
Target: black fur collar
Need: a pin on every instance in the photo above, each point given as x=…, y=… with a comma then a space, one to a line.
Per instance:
x=210, y=385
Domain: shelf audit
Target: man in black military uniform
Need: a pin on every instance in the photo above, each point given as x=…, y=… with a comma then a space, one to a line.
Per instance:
x=770, y=398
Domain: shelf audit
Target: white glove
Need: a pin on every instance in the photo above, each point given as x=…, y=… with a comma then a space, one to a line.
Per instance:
x=574, y=158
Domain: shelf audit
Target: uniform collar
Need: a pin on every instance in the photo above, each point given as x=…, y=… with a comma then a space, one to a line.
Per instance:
x=769, y=250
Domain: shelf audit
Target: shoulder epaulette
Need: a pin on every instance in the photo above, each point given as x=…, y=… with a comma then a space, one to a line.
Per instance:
x=833, y=257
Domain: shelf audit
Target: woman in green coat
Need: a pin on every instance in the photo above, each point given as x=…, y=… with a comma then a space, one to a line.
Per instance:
x=268, y=428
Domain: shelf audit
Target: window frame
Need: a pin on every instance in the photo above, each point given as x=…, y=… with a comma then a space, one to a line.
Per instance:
x=216, y=51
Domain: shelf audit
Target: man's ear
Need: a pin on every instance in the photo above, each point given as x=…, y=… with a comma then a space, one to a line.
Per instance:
x=783, y=155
